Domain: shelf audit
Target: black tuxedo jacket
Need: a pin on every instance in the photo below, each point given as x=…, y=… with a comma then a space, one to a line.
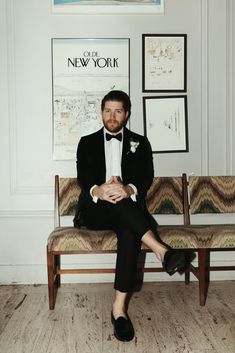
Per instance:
x=137, y=167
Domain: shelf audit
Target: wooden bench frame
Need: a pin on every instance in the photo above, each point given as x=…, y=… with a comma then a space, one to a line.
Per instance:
x=201, y=272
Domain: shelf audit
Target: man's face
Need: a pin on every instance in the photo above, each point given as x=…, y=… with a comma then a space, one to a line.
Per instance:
x=114, y=116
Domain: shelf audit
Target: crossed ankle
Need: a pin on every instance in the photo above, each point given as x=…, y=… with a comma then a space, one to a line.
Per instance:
x=119, y=311
x=160, y=254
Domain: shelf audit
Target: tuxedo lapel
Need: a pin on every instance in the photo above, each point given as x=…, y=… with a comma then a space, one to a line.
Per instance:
x=99, y=154
x=126, y=144
x=125, y=152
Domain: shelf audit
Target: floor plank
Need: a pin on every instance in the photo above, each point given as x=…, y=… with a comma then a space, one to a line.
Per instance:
x=166, y=316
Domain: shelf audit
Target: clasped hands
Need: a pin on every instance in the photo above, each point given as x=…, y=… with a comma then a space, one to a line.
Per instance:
x=112, y=190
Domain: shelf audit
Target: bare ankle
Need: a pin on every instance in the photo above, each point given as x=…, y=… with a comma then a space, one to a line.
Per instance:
x=118, y=311
x=160, y=254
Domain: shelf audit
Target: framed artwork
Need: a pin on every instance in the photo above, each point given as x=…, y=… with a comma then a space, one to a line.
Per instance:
x=166, y=123
x=83, y=71
x=108, y=6
x=164, y=62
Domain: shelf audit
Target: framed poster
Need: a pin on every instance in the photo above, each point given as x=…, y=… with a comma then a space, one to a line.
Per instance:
x=108, y=6
x=166, y=123
x=164, y=62
x=83, y=71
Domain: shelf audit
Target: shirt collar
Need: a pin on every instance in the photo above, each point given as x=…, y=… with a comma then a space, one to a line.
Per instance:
x=111, y=133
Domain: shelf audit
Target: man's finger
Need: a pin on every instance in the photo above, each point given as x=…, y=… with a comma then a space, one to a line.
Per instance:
x=109, y=181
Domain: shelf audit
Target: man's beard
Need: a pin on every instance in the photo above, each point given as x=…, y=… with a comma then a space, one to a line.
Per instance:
x=116, y=127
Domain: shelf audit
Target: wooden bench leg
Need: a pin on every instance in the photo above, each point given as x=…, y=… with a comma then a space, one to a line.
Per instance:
x=187, y=276
x=57, y=267
x=52, y=288
x=204, y=274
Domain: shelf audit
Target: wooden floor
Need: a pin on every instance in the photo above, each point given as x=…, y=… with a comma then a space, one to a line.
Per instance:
x=166, y=316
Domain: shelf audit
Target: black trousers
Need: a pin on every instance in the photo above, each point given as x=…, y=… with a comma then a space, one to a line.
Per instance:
x=130, y=223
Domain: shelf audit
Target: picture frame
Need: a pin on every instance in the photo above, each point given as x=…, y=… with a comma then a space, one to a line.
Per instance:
x=108, y=7
x=83, y=71
x=164, y=59
x=166, y=123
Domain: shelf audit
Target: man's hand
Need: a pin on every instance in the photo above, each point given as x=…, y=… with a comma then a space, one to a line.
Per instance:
x=112, y=191
x=121, y=191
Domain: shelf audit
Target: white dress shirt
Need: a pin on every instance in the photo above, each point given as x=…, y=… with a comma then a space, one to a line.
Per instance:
x=113, y=159
x=113, y=156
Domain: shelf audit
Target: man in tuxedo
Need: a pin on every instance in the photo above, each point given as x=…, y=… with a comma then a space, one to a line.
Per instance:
x=115, y=170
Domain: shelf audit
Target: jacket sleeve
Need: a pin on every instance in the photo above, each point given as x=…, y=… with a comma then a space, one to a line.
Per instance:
x=85, y=166
x=145, y=170
x=138, y=168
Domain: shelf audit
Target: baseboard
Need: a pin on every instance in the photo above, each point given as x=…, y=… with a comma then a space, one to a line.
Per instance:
x=37, y=274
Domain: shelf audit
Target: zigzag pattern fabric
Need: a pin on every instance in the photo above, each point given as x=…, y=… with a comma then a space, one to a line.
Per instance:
x=165, y=196
x=204, y=198
x=69, y=192
x=179, y=237
x=212, y=194
x=199, y=236
x=82, y=240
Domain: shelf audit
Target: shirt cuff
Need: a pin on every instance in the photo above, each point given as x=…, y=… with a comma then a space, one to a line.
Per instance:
x=133, y=196
x=94, y=198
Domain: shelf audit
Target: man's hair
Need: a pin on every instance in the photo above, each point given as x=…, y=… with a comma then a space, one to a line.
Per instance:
x=118, y=96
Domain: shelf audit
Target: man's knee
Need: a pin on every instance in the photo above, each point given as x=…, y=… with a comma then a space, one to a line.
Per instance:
x=128, y=240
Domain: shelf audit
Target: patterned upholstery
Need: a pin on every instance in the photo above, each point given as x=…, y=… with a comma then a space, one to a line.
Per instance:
x=69, y=192
x=207, y=194
x=165, y=196
x=212, y=194
x=178, y=236
x=82, y=239
x=199, y=236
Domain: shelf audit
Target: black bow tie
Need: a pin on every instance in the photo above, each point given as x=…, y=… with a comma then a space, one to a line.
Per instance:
x=118, y=136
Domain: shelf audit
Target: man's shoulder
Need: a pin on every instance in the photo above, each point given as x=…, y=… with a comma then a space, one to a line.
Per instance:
x=92, y=136
x=135, y=136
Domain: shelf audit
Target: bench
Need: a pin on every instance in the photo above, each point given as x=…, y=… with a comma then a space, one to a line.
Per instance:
x=168, y=196
x=210, y=195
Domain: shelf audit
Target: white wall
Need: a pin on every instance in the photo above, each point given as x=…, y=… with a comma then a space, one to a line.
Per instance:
x=27, y=167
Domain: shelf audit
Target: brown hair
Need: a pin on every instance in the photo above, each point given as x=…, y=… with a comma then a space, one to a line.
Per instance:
x=118, y=96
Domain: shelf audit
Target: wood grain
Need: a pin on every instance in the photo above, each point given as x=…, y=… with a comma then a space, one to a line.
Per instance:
x=166, y=316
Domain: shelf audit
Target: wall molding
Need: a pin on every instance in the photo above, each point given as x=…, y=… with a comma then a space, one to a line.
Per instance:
x=10, y=16
x=15, y=187
x=204, y=87
x=37, y=274
x=26, y=214
x=229, y=88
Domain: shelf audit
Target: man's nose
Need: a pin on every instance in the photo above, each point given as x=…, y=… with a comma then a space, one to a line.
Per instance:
x=113, y=115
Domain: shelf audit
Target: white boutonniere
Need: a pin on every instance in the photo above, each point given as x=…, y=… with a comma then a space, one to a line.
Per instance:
x=133, y=146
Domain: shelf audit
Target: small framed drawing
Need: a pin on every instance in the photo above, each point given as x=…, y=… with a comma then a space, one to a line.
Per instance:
x=83, y=71
x=164, y=62
x=166, y=123
x=108, y=7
